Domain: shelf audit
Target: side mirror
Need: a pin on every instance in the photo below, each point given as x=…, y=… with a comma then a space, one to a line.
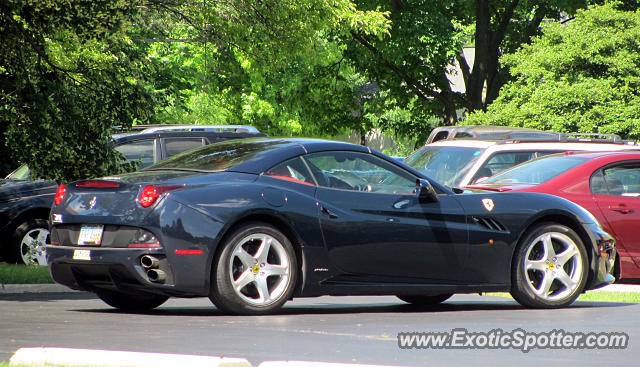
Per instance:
x=426, y=192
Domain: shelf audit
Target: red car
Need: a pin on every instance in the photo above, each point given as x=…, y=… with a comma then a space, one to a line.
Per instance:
x=607, y=184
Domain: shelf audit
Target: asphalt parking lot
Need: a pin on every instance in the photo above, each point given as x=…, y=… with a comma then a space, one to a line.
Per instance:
x=333, y=329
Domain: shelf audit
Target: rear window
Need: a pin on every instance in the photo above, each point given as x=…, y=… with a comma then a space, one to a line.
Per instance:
x=536, y=171
x=446, y=165
x=219, y=156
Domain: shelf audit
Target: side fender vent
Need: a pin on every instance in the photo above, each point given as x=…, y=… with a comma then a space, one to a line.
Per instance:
x=489, y=223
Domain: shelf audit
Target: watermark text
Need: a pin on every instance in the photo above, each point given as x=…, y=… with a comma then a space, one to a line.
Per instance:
x=515, y=339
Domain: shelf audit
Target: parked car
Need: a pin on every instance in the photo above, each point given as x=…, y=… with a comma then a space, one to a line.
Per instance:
x=156, y=143
x=488, y=133
x=605, y=183
x=253, y=223
x=25, y=202
x=458, y=163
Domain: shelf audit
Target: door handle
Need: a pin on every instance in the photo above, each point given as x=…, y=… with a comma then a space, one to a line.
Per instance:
x=328, y=213
x=621, y=208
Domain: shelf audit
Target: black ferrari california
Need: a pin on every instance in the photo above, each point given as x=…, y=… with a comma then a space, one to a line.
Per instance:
x=253, y=223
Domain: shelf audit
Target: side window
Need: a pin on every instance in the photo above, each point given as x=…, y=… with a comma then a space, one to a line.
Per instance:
x=143, y=151
x=174, y=146
x=292, y=170
x=623, y=180
x=547, y=152
x=501, y=161
x=359, y=172
x=463, y=135
x=442, y=135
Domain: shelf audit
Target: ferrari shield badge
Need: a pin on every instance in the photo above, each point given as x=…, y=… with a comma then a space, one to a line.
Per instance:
x=488, y=204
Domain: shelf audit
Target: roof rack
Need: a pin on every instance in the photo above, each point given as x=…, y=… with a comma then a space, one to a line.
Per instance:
x=569, y=138
x=234, y=128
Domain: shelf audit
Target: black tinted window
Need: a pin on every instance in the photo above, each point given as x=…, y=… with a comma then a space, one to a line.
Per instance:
x=142, y=151
x=174, y=146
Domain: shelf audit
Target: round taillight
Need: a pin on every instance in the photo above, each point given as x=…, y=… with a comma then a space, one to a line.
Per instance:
x=148, y=196
x=62, y=190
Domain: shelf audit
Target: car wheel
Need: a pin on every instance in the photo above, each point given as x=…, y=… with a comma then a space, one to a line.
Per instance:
x=550, y=268
x=29, y=241
x=129, y=302
x=255, y=272
x=431, y=300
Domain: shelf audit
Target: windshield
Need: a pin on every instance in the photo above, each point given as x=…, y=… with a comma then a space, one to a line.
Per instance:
x=446, y=165
x=536, y=171
x=219, y=156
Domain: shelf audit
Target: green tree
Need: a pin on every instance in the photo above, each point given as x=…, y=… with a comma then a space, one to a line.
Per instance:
x=68, y=73
x=428, y=36
x=275, y=65
x=580, y=76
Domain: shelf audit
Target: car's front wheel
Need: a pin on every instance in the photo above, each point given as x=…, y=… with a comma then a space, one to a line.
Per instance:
x=129, y=302
x=29, y=241
x=550, y=268
x=255, y=273
x=430, y=300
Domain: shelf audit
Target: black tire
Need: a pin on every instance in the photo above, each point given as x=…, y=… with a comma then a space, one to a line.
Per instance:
x=538, y=275
x=28, y=241
x=430, y=300
x=264, y=290
x=129, y=302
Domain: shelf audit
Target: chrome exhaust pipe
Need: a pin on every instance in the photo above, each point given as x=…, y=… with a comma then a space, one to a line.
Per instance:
x=149, y=262
x=156, y=275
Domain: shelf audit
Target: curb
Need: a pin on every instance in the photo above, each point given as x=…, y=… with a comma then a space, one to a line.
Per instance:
x=314, y=364
x=34, y=288
x=71, y=357
x=44, y=356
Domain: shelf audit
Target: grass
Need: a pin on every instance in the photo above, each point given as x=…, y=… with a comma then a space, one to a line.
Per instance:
x=23, y=274
x=600, y=296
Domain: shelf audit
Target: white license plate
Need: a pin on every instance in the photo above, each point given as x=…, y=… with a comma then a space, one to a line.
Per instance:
x=90, y=235
x=82, y=254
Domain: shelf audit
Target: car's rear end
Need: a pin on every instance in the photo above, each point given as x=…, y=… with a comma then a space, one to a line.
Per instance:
x=112, y=235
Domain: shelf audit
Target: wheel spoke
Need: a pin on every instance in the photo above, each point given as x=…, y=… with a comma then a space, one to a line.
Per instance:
x=243, y=280
x=565, y=279
x=539, y=265
x=42, y=237
x=263, y=289
x=549, y=252
x=275, y=270
x=41, y=257
x=247, y=260
x=567, y=255
x=545, y=285
x=263, y=252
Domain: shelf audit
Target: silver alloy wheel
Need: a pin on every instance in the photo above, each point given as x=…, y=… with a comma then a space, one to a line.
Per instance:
x=259, y=269
x=32, y=246
x=553, y=266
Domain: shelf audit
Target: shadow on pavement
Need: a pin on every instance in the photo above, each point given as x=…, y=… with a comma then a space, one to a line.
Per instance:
x=338, y=308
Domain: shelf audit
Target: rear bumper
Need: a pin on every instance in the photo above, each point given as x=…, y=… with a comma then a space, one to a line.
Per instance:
x=114, y=269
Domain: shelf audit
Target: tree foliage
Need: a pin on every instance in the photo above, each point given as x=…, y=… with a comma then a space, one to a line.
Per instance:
x=580, y=76
x=427, y=37
x=68, y=72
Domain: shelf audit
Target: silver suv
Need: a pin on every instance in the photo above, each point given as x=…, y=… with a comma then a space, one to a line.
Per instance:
x=457, y=163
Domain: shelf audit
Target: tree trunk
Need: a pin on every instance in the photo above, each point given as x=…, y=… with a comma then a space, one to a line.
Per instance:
x=478, y=76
